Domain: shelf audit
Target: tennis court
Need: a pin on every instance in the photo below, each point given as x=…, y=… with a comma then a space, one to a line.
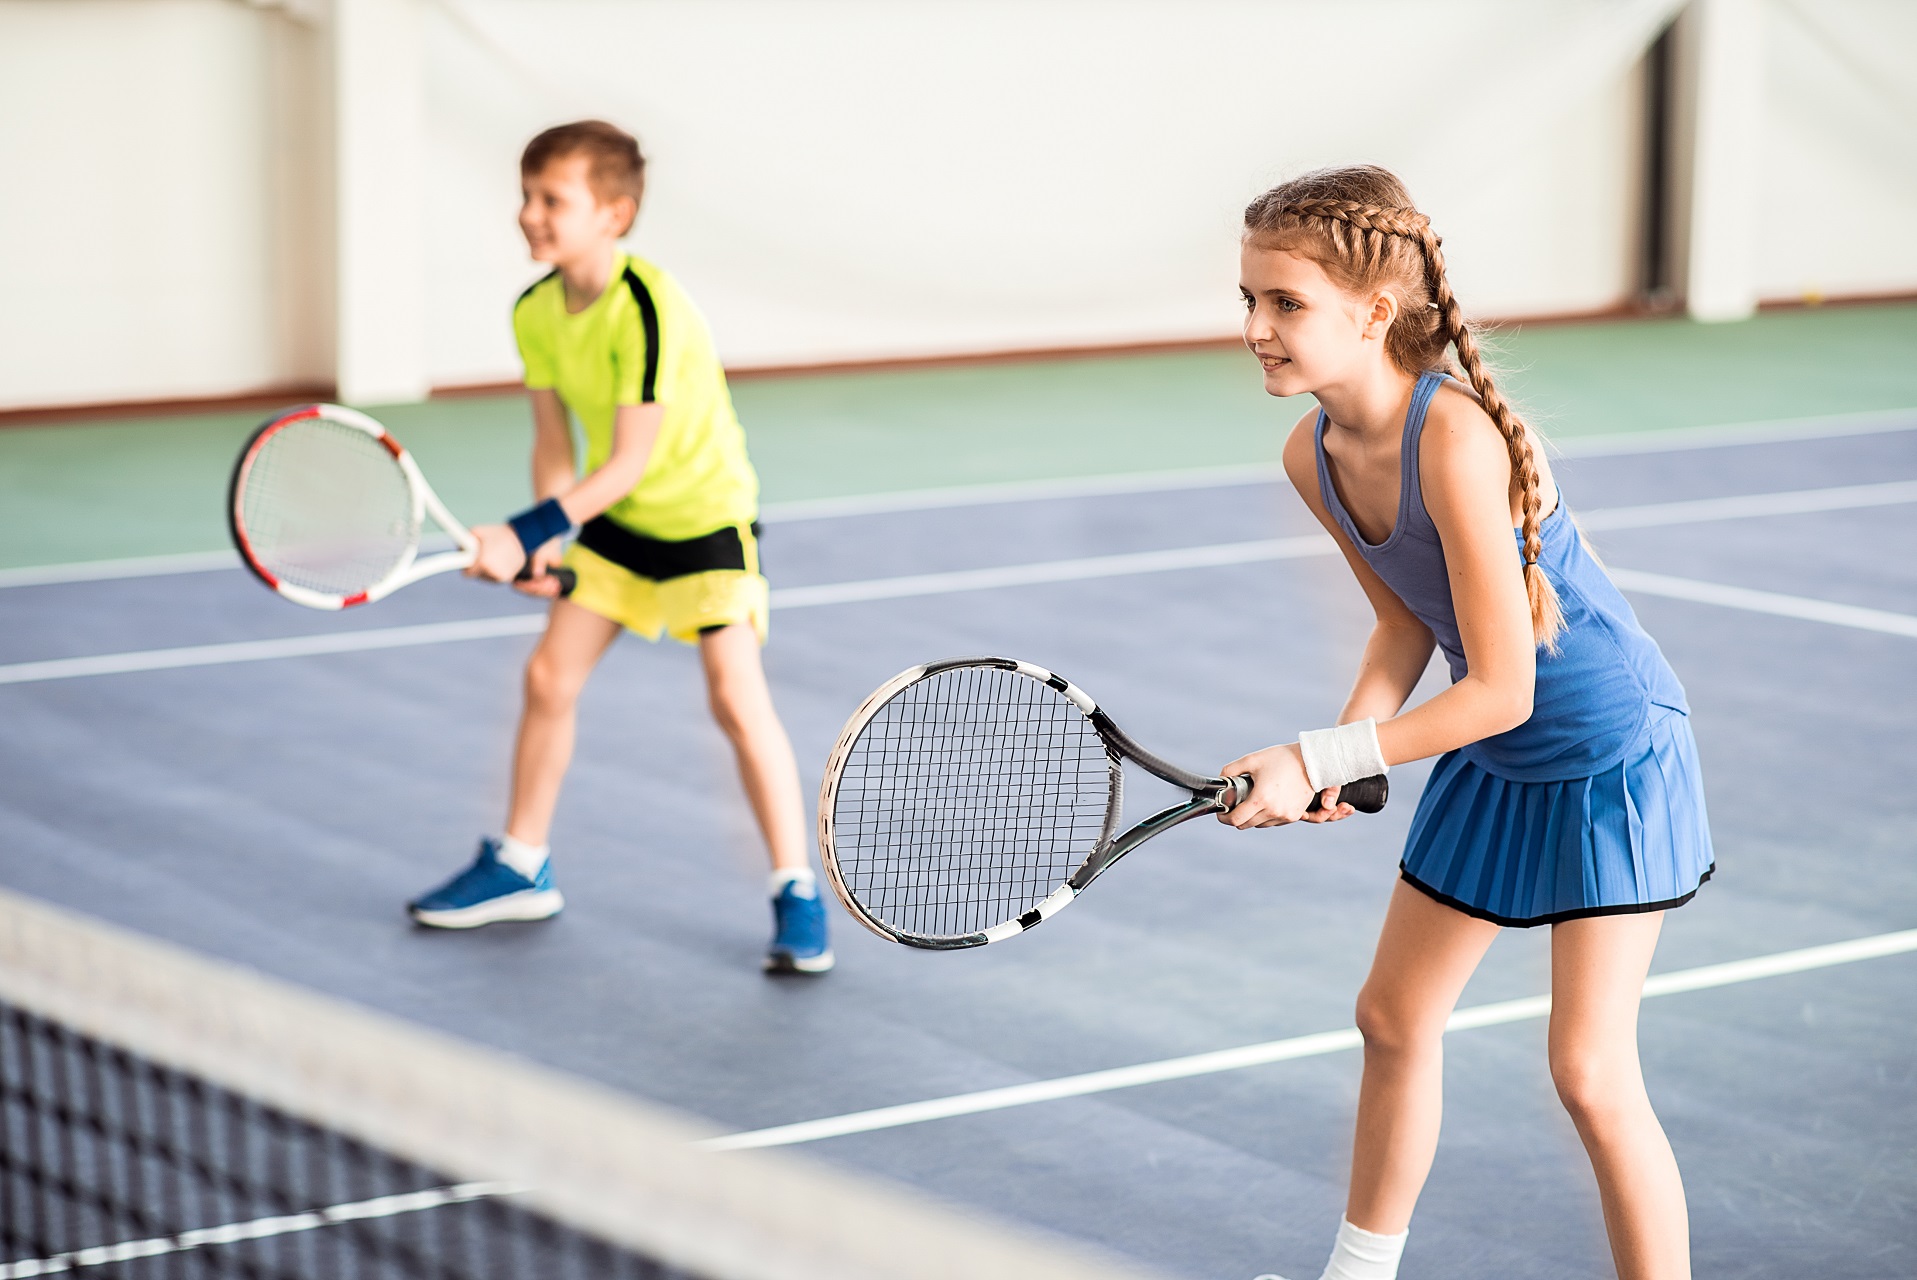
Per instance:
x=221, y=783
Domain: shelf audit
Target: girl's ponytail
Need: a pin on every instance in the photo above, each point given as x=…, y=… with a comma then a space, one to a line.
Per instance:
x=1359, y=224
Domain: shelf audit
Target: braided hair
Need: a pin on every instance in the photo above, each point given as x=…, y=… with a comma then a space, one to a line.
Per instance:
x=1358, y=224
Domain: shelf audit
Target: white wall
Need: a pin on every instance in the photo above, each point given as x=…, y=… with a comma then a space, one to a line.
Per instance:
x=1838, y=185
x=849, y=179
x=143, y=231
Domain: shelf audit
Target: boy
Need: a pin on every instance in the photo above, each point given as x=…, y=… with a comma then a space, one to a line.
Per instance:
x=666, y=534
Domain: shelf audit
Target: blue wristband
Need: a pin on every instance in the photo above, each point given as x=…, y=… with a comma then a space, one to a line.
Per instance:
x=536, y=526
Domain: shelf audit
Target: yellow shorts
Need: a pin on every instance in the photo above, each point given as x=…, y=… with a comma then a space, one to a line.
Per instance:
x=680, y=606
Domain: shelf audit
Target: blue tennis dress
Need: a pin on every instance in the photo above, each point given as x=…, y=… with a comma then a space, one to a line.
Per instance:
x=1595, y=805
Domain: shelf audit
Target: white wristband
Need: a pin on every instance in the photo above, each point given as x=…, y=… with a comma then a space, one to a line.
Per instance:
x=1334, y=757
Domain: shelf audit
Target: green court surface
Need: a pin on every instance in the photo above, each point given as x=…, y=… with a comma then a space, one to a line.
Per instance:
x=78, y=490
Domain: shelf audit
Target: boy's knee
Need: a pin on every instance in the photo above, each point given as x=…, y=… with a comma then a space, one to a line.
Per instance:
x=730, y=700
x=550, y=685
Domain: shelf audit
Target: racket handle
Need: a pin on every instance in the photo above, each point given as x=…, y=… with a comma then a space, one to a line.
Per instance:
x=1366, y=795
x=565, y=577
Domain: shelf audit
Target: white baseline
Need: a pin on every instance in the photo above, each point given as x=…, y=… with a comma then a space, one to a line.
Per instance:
x=1308, y=1046
x=1074, y=570
x=1010, y=491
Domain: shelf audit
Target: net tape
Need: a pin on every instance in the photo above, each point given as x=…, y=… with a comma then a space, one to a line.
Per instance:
x=218, y=1122
x=968, y=798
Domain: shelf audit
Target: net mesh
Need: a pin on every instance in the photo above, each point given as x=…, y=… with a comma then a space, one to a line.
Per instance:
x=967, y=799
x=327, y=507
x=164, y=1115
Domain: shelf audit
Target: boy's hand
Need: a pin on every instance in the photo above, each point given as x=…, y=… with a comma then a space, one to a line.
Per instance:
x=539, y=580
x=1280, y=791
x=500, y=556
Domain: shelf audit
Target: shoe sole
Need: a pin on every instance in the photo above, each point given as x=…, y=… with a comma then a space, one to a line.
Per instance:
x=533, y=904
x=786, y=962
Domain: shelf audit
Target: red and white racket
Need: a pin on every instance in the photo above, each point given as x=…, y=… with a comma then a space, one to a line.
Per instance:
x=328, y=510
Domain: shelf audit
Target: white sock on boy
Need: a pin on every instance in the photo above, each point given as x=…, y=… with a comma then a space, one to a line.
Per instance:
x=1364, y=1255
x=801, y=877
x=526, y=859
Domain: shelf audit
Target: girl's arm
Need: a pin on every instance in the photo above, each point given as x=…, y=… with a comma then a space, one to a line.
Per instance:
x=634, y=429
x=1466, y=479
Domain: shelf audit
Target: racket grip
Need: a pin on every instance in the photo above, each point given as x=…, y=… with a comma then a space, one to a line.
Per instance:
x=1366, y=795
x=565, y=577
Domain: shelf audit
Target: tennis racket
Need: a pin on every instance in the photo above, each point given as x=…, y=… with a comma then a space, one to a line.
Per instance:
x=328, y=509
x=970, y=799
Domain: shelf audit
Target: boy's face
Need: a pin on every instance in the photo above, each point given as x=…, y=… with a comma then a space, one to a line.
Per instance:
x=562, y=219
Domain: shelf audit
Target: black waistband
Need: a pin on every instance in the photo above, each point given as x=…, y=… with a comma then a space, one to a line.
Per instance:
x=658, y=559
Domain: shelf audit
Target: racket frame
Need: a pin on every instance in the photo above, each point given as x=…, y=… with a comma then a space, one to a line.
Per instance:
x=1209, y=795
x=410, y=568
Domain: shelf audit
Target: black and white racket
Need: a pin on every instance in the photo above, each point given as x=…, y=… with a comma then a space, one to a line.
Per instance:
x=967, y=800
x=328, y=510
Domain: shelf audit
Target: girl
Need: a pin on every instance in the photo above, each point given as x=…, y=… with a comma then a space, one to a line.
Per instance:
x=1567, y=790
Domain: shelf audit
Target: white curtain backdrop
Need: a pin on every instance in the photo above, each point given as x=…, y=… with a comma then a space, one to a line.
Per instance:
x=841, y=180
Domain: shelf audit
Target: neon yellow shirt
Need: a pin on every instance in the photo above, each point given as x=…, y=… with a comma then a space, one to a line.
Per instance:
x=641, y=341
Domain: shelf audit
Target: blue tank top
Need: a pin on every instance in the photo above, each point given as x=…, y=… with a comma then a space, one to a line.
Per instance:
x=1593, y=699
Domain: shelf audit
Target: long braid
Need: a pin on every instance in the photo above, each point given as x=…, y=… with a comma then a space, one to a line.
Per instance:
x=1547, y=617
x=1361, y=232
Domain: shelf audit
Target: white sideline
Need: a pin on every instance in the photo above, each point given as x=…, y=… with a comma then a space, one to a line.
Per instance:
x=1074, y=570
x=1308, y=1046
x=256, y=1229
x=1613, y=445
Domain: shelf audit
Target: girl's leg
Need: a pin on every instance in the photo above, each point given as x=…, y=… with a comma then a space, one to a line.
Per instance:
x=1597, y=978
x=575, y=640
x=1426, y=953
x=742, y=705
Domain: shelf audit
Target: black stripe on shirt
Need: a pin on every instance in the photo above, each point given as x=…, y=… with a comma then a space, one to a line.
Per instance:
x=648, y=320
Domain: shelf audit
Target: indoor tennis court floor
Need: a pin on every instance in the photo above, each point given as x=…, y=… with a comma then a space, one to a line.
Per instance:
x=219, y=783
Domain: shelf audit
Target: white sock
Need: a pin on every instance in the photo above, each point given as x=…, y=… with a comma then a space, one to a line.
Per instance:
x=526, y=859
x=799, y=877
x=1364, y=1255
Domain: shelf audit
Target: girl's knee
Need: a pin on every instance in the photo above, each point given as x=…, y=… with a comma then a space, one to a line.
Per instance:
x=1595, y=1086
x=1393, y=1025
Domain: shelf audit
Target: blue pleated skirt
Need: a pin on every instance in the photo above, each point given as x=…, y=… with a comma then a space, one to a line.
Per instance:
x=1633, y=838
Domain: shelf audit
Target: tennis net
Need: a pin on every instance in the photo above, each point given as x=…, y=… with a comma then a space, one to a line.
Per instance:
x=163, y=1114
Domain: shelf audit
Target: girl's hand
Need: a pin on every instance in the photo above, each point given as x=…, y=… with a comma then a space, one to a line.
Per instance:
x=500, y=555
x=1280, y=791
x=540, y=581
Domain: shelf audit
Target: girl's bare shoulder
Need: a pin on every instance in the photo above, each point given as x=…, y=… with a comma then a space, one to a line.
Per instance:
x=1301, y=454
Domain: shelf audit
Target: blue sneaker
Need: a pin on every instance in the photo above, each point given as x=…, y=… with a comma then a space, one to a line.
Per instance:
x=798, y=932
x=486, y=891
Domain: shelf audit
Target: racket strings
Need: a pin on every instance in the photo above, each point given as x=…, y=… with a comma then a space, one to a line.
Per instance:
x=967, y=800
x=327, y=507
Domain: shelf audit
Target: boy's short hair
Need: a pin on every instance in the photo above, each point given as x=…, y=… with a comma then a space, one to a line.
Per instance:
x=614, y=165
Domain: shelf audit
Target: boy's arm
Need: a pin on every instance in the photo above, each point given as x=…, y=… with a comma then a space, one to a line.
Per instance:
x=634, y=429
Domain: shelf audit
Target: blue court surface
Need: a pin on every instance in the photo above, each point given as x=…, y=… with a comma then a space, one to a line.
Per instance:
x=219, y=781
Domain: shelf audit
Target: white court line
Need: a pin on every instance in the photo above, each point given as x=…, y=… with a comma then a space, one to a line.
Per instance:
x=256, y=1229
x=972, y=495
x=1075, y=570
x=1309, y=1046
x=1771, y=602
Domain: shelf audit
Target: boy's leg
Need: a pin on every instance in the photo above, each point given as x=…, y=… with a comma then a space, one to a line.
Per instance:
x=510, y=878
x=576, y=638
x=1426, y=953
x=1597, y=979
x=742, y=705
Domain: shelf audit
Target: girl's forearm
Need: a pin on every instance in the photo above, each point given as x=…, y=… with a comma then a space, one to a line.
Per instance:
x=1394, y=661
x=1469, y=711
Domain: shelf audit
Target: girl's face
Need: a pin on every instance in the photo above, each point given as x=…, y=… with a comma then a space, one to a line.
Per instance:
x=1306, y=331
